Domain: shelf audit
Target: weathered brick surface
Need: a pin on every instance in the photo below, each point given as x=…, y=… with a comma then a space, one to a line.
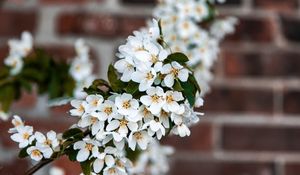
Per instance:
x=252, y=29
x=221, y=168
x=278, y=64
x=276, y=4
x=228, y=99
x=264, y=49
x=14, y=22
x=261, y=138
x=292, y=168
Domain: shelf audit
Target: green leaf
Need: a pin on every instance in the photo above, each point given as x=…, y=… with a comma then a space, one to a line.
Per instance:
x=116, y=84
x=74, y=132
x=189, y=92
x=71, y=153
x=193, y=80
x=178, y=57
x=23, y=153
x=7, y=96
x=86, y=167
x=177, y=86
x=132, y=87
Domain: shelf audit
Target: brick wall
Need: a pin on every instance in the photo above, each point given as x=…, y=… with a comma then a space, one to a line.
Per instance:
x=252, y=124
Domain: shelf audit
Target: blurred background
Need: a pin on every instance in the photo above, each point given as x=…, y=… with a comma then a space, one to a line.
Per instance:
x=252, y=124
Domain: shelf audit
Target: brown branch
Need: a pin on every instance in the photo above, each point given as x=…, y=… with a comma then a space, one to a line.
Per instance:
x=38, y=166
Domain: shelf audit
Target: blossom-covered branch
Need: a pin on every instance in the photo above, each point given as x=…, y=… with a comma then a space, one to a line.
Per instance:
x=153, y=96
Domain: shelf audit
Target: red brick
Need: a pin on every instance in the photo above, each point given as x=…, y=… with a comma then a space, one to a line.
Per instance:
x=98, y=24
x=277, y=64
x=139, y=2
x=291, y=26
x=251, y=29
x=87, y=24
x=200, y=139
x=27, y=100
x=236, y=100
x=131, y=23
x=70, y=168
x=214, y=167
x=243, y=64
x=15, y=167
x=60, y=111
x=13, y=23
x=276, y=4
x=292, y=169
x=291, y=102
x=64, y=1
x=261, y=138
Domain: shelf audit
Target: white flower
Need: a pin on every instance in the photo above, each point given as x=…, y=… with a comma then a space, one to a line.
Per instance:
x=199, y=101
x=3, y=115
x=126, y=105
x=93, y=102
x=93, y=121
x=21, y=47
x=82, y=49
x=145, y=77
x=164, y=118
x=38, y=153
x=17, y=122
x=106, y=111
x=154, y=31
x=155, y=127
x=23, y=136
x=173, y=71
x=103, y=159
x=143, y=114
x=121, y=126
x=81, y=69
x=86, y=147
x=79, y=107
x=186, y=28
x=50, y=141
x=113, y=171
x=182, y=130
x=126, y=67
x=154, y=100
x=140, y=138
x=172, y=99
x=15, y=62
x=78, y=91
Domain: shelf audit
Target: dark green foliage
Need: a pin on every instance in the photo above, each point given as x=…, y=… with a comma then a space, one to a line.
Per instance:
x=178, y=57
x=49, y=76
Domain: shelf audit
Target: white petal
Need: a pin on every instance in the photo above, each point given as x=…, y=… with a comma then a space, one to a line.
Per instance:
x=183, y=75
x=133, y=126
x=98, y=165
x=79, y=145
x=146, y=100
x=113, y=125
x=169, y=80
x=109, y=160
x=82, y=155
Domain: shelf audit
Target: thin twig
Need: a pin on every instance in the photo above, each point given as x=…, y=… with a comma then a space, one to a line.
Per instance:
x=38, y=166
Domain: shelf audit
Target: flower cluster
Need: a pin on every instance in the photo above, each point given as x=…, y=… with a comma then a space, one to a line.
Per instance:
x=151, y=93
x=154, y=159
x=183, y=32
x=81, y=69
x=36, y=144
x=18, y=49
